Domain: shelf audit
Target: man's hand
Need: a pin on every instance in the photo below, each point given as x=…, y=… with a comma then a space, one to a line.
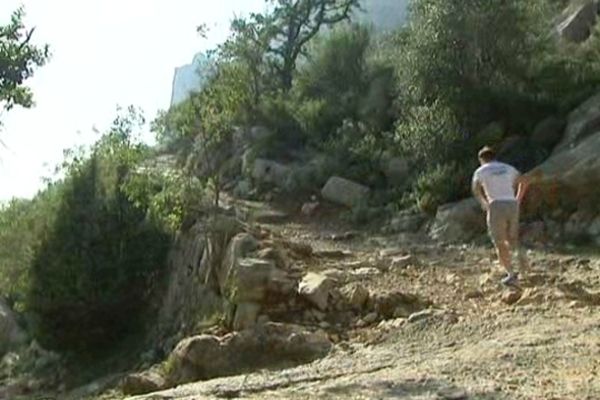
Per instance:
x=479, y=194
x=522, y=185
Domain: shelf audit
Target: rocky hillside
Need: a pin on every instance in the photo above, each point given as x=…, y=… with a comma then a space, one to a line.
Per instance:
x=332, y=252
x=374, y=315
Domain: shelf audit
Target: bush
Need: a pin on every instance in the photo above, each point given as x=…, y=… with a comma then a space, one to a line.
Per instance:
x=96, y=263
x=442, y=184
x=334, y=80
x=431, y=135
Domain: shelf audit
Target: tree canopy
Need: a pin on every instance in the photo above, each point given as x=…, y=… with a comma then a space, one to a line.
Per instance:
x=19, y=58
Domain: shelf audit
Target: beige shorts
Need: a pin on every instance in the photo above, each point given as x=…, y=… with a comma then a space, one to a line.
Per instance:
x=503, y=221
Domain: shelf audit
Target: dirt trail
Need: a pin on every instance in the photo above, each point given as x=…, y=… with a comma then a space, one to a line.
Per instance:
x=472, y=346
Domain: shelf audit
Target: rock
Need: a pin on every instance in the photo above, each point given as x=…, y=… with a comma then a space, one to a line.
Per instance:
x=269, y=216
x=206, y=357
x=391, y=252
x=576, y=290
x=407, y=223
x=197, y=358
x=518, y=152
x=345, y=192
x=249, y=280
x=459, y=222
x=328, y=253
x=433, y=315
x=365, y=272
x=395, y=304
x=418, y=316
x=581, y=123
x=309, y=209
x=246, y=315
x=191, y=77
x=511, y=296
x=452, y=394
x=579, y=19
x=355, y=294
x=402, y=262
x=271, y=172
x=548, y=132
x=594, y=227
x=335, y=274
x=277, y=255
x=531, y=296
x=324, y=325
x=370, y=318
x=578, y=223
x=315, y=288
x=263, y=319
x=396, y=170
x=142, y=383
x=533, y=232
x=392, y=323
x=11, y=334
x=242, y=189
x=340, y=237
x=473, y=294
x=318, y=315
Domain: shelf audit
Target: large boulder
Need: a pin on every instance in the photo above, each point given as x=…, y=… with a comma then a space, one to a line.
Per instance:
x=142, y=383
x=518, y=152
x=582, y=122
x=11, y=334
x=396, y=170
x=270, y=172
x=578, y=20
x=548, y=132
x=345, y=192
x=570, y=178
x=459, y=222
x=193, y=267
x=316, y=289
x=249, y=282
x=271, y=344
x=397, y=304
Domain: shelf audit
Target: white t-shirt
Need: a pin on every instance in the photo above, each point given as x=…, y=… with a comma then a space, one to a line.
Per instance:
x=497, y=179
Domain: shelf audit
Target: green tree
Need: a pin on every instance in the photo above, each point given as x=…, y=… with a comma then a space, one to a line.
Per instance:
x=96, y=265
x=475, y=55
x=18, y=60
x=278, y=38
x=292, y=25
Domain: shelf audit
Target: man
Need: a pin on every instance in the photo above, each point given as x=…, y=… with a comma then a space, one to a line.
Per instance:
x=500, y=189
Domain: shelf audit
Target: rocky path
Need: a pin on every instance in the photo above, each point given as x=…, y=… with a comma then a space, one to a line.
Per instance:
x=478, y=341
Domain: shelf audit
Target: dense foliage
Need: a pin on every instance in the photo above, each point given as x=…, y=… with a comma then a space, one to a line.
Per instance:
x=83, y=258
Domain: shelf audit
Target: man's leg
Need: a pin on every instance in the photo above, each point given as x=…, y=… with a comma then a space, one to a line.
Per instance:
x=504, y=255
x=498, y=229
x=514, y=240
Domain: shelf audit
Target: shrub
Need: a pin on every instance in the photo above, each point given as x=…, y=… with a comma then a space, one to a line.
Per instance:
x=96, y=264
x=439, y=185
x=334, y=80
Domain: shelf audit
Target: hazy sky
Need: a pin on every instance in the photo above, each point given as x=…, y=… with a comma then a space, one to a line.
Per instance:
x=104, y=53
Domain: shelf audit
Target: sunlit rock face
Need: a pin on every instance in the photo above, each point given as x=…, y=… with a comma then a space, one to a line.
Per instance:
x=189, y=78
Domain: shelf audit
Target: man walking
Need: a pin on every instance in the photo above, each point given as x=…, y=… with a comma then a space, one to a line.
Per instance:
x=499, y=188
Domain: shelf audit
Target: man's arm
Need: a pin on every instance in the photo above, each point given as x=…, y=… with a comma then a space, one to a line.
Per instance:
x=479, y=194
x=521, y=183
